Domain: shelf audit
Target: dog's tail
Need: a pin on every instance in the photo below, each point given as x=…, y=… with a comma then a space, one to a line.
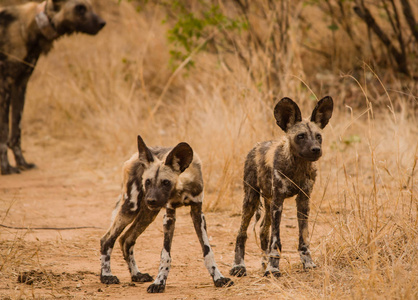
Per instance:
x=258, y=213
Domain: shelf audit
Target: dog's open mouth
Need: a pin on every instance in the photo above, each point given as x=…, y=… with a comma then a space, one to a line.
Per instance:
x=153, y=207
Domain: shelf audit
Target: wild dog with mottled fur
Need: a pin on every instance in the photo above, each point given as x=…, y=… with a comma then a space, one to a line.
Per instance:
x=278, y=170
x=156, y=178
x=26, y=32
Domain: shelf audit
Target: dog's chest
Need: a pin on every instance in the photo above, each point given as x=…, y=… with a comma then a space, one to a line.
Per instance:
x=290, y=178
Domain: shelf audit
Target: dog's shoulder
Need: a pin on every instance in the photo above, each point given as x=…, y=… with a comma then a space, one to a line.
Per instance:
x=15, y=22
x=17, y=13
x=8, y=15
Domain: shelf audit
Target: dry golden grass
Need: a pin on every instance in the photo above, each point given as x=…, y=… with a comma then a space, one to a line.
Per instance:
x=91, y=96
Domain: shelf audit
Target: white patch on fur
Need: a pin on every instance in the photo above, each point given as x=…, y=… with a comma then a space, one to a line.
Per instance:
x=165, y=265
x=184, y=177
x=269, y=158
x=274, y=252
x=132, y=263
x=279, y=177
x=241, y=264
x=198, y=198
x=176, y=164
x=210, y=263
x=134, y=197
x=105, y=265
x=272, y=269
x=307, y=259
x=264, y=262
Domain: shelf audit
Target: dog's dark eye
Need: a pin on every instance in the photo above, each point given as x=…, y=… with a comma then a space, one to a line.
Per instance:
x=166, y=182
x=301, y=136
x=147, y=182
x=318, y=137
x=80, y=9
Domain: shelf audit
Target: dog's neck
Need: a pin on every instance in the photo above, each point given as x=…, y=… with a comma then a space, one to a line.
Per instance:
x=44, y=23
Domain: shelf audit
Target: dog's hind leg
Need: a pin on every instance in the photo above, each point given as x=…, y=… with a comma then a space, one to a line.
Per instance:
x=264, y=234
x=199, y=223
x=5, y=99
x=17, y=103
x=249, y=206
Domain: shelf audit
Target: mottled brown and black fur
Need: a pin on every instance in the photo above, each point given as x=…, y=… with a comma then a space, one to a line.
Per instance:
x=278, y=170
x=156, y=178
x=26, y=32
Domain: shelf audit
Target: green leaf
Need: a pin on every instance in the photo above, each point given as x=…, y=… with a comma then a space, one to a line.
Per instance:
x=333, y=27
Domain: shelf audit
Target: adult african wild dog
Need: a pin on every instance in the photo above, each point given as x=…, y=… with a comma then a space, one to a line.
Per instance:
x=26, y=32
x=277, y=170
x=156, y=178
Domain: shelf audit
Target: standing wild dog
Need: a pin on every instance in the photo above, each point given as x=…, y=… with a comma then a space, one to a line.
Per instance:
x=278, y=170
x=26, y=32
x=156, y=178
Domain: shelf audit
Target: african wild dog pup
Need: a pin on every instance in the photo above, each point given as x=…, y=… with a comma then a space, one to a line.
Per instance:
x=278, y=170
x=156, y=178
x=26, y=32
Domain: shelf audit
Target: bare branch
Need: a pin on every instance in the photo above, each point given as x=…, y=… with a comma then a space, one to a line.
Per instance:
x=410, y=19
x=367, y=17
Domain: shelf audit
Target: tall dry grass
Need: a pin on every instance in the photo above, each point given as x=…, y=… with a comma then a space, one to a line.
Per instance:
x=91, y=96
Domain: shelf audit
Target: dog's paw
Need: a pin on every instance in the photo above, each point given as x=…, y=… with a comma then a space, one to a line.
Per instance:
x=142, y=277
x=307, y=261
x=110, y=279
x=238, y=271
x=309, y=265
x=26, y=166
x=8, y=170
x=156, y=288
x=275, y=274
x=224, y=282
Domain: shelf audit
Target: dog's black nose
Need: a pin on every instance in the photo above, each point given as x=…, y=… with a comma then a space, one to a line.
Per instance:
x=102, y=23
x=152, y=202
x=315, y=150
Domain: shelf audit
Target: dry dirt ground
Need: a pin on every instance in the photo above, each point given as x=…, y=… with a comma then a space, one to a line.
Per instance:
x=65, y=192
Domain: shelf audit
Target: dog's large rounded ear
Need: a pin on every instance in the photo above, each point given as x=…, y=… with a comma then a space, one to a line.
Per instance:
x=144, y=154
x=287, y=113
x=56, y=5
x=180, y=157
x=323, y=111
x=57, y=1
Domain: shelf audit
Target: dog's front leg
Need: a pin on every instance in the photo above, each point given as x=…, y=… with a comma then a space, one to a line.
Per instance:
x=165, y=263
x=127, y=241
x=123, y=217
x=5, y=98
x=199, y=223
x=17, y=103
x=302, y=203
